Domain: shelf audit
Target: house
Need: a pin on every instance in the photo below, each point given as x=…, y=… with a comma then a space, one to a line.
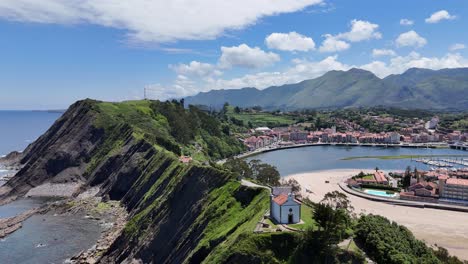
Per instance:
x=380, y=178
x=424, y=188
x=285, y=209
x=185, y=159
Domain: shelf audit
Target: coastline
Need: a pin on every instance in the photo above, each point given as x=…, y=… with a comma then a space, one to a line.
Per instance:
x=276, y=148
x=444, y=228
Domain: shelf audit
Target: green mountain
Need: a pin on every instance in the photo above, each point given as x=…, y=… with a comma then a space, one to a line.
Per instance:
x=415, y=88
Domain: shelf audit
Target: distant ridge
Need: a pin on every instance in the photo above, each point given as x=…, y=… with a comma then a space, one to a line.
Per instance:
x=415, y=88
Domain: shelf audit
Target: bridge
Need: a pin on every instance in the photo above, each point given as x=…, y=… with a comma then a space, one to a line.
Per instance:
x=459, y=145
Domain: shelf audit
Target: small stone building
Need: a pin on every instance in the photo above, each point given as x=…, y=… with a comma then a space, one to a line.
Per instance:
x=285, y=209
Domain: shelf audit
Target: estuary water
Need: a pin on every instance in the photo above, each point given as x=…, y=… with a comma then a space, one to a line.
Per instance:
x=317, y=158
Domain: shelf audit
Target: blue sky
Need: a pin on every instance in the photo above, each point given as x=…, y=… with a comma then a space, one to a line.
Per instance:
x=55, y=52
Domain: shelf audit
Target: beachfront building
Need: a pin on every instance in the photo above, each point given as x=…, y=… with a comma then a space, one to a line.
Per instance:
x=284, y=208
x=378, y=177
x=453, y=188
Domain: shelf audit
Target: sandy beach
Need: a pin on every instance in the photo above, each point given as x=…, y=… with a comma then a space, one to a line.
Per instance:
x=448, y=229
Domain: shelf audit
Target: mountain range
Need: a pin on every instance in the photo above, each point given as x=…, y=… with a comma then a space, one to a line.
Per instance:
x=416, y=88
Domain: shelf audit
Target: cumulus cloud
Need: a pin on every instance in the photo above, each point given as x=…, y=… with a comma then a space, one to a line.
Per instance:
x=410, y=38
x=439, y=16
x=400, y=64
x=457, y=46
x=299, y=71
x=155, y=21
x=245, y=56
x=333, y=44
x=406, y=22
x=291, y=41
x=361, y=30
x=195, y=68
x=383, y=52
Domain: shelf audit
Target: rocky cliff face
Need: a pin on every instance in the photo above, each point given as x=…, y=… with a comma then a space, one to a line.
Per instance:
x=177, y=212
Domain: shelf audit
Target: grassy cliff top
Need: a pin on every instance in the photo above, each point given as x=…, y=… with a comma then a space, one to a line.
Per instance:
x=168, y=125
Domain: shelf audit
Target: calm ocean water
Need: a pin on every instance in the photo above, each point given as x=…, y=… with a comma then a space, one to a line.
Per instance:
x=20, y=128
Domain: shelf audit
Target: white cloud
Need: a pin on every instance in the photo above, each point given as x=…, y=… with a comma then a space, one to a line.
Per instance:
x=299, y=71
x=406, y=22
x=152, y=21
x=457, y=46
x=291, y=41
x=361, y=30
x=195, y=68
x=400, y=64
x=410, y=38
x=245, y=56
x=383, y=52
x=333, y=44
x=439, y=16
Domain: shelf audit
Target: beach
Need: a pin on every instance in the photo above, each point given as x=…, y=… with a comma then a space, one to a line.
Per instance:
x=448, y=229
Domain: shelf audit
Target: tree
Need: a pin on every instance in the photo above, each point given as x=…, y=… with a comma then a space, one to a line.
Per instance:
x=268, y=174
x=332, y=215
x=237, y=110
x=416, y=174
x=239, y=167
x=226, y=130
x=407, y=178
x=295, y=186
x=255, y=167
x=320, y=246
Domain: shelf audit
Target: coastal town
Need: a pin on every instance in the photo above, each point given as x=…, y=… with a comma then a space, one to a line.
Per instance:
x=419, y=133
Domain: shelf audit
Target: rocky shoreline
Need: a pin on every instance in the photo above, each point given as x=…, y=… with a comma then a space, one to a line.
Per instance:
x=110, y=214
x=11, y=224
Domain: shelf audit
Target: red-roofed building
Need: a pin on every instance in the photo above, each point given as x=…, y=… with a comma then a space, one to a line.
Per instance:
x=380, y=177
x=285, y=209
x=185, y=159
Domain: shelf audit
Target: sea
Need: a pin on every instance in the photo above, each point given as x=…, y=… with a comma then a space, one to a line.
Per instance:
x=44, y=238
x=18, y=129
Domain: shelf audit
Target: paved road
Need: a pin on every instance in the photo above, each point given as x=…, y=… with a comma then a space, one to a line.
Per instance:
x=253, y=185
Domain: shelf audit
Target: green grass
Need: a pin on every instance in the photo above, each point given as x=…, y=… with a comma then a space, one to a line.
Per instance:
x=368, y=177
x=403, y=157
x=307, y=215
x=272, y=225
x=263, y=118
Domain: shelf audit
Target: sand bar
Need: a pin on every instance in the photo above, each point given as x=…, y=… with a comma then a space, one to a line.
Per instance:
x=448, y=229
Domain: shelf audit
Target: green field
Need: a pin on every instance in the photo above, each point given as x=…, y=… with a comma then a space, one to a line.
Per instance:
x=368, y=177
x=404, y=157
x=258, y=119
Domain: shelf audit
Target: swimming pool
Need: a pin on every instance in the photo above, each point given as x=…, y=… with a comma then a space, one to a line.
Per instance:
x=380, y=193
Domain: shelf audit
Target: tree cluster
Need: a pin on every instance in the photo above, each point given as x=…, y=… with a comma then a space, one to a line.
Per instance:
x=261, y=172
x=387, y=242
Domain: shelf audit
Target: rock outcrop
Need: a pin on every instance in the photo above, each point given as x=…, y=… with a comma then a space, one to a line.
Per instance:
x=176, y=212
